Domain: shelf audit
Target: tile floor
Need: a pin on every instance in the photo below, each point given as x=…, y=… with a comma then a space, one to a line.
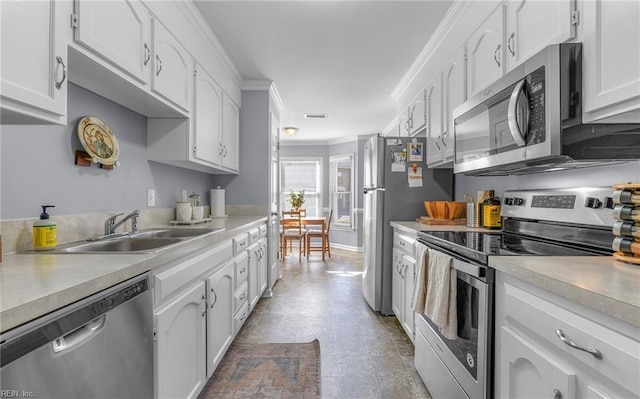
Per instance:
x=364, y=355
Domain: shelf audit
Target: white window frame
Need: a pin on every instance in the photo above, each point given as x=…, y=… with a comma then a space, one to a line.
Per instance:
x=318, y=195
x=333, y=193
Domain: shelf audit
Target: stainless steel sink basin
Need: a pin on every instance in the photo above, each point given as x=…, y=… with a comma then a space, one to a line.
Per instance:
x=174, y=232
x=122, y=245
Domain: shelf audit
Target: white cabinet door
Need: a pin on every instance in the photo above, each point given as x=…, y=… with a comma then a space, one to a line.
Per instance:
x=403, y=123
x=181, y=345
x=417, y=113
x=454, y=95
x=254, y=260
x=207, y=117
x=172, y=67
x=528, y=372
x=220, y=324
x=33, y=64
x=434, y=120
x=396, y=284
x=230, y=133
x=408, y=281
x=119, y=31
x=262, y=266
x=485, y=54
x=531, y=25
x=611, y=60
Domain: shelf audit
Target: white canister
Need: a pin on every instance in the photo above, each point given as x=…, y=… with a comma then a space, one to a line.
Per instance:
x=183, y=211
x=217, y=203
x=198, y=212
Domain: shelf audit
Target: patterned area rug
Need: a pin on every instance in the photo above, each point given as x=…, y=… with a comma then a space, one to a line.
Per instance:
x=267, y=371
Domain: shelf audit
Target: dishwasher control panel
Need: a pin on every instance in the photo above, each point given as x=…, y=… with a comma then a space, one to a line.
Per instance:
x=123, y=295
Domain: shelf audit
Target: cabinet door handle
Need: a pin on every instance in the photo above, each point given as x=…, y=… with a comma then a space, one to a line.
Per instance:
x=159, y=65
x=147, y=51
x=444, y=134
x=496, y=54
x=557, y=394
x=436, y=142
x=594, y=352
x=510, y=44
x=215, y=298
x=225, y=151
x=64, y=72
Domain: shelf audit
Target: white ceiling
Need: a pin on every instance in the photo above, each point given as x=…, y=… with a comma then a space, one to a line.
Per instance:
x=342, y=58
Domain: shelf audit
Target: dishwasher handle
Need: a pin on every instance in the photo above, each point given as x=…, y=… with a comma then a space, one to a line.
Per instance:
x=80, y=335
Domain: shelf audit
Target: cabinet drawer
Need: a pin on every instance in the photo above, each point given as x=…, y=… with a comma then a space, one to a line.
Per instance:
x=263, y=230
x=240, y=243
x=240, y=317
x=540, y=318
x=240, y=297
x=404, y=243
x=242, y=269
x=168, y=281
x=254, y=235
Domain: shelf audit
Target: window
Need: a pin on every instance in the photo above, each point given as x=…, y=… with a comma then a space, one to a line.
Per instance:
x=341, y=187
x=298, y=174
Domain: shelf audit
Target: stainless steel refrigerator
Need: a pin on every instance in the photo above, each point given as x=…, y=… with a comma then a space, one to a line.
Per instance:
x=389, y=197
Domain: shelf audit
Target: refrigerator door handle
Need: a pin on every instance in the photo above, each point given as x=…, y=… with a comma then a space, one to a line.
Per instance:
x=369, y=189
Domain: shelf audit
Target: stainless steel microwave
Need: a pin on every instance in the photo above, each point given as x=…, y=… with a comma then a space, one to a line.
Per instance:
x=530, y=120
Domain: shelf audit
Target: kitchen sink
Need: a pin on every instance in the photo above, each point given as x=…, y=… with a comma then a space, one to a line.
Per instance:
x=175, y=232
x=122, y=245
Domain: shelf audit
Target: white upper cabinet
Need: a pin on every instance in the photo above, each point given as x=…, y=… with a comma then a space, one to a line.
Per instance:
x=172, y=67
x=230, y=139
x=454, y=95
x=611, y=60
x=119, y=31
x=485, y=54
x=434, y=119
x=417, y=113
x=207, y=117
x=34, y=62
x=532, y=25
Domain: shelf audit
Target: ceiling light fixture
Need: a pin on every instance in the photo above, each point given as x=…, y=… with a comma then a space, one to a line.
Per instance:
x=290, y=131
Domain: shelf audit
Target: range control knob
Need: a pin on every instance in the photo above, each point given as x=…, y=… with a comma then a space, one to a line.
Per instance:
x=518, y=201
x=593, y=202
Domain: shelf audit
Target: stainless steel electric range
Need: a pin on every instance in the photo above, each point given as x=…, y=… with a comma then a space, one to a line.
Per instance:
x=558, y=222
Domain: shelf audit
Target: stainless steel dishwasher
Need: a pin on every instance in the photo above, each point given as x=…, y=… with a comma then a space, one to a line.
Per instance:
x=99, y=347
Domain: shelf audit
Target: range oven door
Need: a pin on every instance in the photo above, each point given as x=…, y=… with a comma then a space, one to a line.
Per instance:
x=466, y=359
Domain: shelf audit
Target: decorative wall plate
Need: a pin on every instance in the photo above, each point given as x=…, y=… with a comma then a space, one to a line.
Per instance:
x=98, y=141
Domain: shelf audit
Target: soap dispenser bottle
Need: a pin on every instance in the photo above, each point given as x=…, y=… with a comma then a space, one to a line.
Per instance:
x=45, y=231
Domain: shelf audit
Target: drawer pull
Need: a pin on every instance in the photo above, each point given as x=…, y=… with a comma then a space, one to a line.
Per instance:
x=596, y=353
x=557, y=394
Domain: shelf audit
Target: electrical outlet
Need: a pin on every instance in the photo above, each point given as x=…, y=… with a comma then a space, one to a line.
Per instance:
x=183, y=197
x=151, y=197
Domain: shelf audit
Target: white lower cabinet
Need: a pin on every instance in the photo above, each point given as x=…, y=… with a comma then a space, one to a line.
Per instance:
x=548, y=346
x=181, y=345
x=220, y=326
x=403, y=280
x=257, y=271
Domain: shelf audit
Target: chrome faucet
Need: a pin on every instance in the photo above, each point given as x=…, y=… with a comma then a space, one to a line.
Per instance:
x=110, y=225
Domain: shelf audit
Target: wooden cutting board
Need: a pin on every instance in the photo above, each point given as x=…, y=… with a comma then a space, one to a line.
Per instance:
x=447, y=222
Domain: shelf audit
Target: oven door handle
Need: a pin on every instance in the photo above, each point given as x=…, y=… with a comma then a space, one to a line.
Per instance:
x=465, y=267
x=518, y=115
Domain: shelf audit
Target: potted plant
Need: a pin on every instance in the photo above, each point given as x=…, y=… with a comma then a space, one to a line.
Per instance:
x=296, y=199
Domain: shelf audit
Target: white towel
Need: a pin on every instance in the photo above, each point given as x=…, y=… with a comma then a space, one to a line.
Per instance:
x=419, y=294
x=441, y=305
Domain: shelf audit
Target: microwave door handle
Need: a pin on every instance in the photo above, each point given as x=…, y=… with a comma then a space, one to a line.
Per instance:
x=518, y=115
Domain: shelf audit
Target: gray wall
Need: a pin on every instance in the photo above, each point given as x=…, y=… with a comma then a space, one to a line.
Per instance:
x=37, y=166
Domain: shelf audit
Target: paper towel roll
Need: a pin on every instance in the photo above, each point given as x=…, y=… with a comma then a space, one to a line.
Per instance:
x=217, y=203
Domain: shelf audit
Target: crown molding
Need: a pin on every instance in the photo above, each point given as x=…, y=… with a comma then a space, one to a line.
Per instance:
x=269, y=85
x=203, y=29
x=442, y=30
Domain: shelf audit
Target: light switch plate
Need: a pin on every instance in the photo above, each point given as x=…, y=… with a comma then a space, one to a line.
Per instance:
x=183, y=197
x=151, y=197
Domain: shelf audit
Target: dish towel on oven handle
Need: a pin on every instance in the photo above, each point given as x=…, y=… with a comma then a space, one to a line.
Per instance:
x=441, y=300
x=419, y=294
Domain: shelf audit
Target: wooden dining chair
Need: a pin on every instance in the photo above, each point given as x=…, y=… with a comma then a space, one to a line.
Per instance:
x=323, y=235
x=292, y=230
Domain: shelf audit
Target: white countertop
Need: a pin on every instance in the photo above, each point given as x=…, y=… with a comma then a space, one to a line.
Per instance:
x=598, y=282
x=34, y=284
